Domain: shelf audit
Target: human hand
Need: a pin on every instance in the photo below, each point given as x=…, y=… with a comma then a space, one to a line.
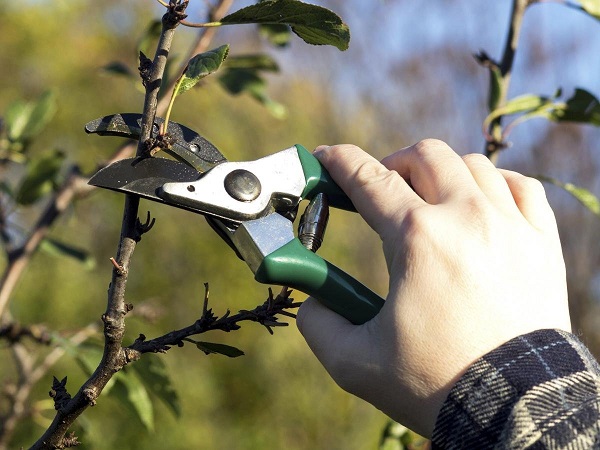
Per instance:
x=474, y=260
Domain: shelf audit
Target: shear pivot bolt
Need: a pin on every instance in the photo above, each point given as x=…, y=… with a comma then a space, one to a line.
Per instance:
x=242, y=185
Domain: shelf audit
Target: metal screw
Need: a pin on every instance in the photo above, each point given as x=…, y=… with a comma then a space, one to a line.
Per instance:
x=313, y=222
x=242, y=185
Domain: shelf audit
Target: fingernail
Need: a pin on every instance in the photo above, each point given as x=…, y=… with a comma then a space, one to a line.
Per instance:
x=320, y=150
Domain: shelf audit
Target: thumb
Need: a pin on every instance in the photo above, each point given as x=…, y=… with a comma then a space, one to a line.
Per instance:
x=320, y=326
x=339, y=345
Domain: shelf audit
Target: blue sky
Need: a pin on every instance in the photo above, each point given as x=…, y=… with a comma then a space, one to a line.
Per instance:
x=559, y=48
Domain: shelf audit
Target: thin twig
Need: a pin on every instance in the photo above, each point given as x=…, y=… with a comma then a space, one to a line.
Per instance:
x=29, y=376
x=74, y=187
x=506, y=64
x=203, y=42
x=265, y=314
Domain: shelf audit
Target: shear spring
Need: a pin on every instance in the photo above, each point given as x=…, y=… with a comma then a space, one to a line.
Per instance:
x=313, y=222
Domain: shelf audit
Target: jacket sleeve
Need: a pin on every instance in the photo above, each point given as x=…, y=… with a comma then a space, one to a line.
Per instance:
x=537, y=391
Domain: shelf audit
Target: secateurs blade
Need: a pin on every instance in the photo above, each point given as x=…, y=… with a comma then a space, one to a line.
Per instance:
x=188, y=146
x=251, y=205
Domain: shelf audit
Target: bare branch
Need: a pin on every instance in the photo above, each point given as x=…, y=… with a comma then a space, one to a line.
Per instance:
x=29, y=376
x=265, y=314
x=75, y=186
x=113, y=358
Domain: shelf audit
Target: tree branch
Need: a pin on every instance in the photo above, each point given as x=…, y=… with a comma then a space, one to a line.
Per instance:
x=76, y=185
x=29, y=376
x=265, y=314
x=493, y=146
x=19, y=258
x=113, y=358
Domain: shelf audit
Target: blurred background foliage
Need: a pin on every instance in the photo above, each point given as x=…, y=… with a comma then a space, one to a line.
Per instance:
x=409, y=74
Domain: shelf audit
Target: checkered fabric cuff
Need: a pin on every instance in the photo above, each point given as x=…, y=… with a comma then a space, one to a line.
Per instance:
x=538, y=391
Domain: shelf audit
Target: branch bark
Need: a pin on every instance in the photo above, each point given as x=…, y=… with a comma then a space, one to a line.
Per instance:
x=492, y=149
x=265, y=314
x=75, y=187
x=114, y=358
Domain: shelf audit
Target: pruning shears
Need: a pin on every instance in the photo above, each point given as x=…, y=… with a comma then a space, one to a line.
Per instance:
x=251, y=205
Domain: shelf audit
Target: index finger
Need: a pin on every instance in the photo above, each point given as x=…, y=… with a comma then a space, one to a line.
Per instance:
x=380, y=195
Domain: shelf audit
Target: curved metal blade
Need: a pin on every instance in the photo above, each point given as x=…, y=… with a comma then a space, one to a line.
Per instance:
x=189, y=146
x=144, y=177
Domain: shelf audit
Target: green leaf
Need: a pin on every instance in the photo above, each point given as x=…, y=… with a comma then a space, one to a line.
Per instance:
x=277, y=34
x=261, y=62
x=581, y=107
x=219, y=349
x=40, y=178
x=130, y=390
x=531, y=104
x=154, y=374
x=236, y=81
x=24, y=120
x=314, y=24
x=16, y=117
x=583, y=196
x=57, y=248
x=495, y=87
x=201, y=66
x=592, y=7
x=119, y=68
x=43, y=111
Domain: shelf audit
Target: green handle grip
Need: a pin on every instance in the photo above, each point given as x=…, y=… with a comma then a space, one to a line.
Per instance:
x=295, y=266
x=318, y=180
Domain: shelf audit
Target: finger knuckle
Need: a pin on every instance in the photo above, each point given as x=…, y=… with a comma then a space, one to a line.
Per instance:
x=369, y=173
x=533, y=186
x=527, y=186
x=426, y=147
x=338, y=150
x=476, y=159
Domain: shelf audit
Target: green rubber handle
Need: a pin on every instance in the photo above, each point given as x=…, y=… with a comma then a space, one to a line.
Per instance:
x=295, y=266
x=318, y=180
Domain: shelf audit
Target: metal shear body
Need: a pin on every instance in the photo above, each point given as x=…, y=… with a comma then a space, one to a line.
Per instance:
x=251, y=205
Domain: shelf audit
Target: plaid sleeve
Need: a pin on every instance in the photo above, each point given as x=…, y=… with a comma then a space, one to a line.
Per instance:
x=538, y=391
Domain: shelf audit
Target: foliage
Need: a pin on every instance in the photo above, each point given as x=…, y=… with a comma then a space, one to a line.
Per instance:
x=314, y=24
x=397, y=437
x=187, y=399
x=44, y=176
